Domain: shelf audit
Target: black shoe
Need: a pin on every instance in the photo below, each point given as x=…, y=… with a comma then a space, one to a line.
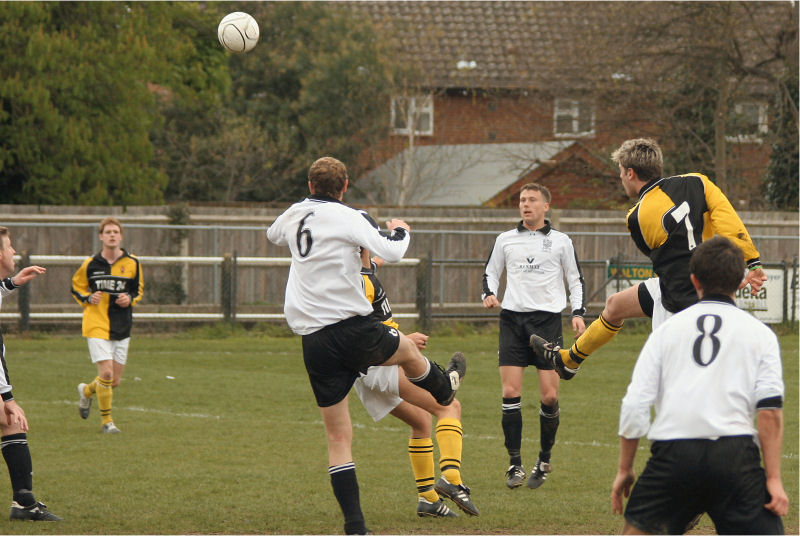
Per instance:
x=456, y=369
x=552, y=353
x=515, y=476
x=436, y=509
x=539, y=474
x=459, y=494
x=35, y=512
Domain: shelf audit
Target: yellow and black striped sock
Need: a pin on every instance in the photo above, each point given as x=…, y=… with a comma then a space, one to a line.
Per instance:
x=420, y=451
x=596, y=335
x=90, y=388
x=449, y=435
x=104, y=395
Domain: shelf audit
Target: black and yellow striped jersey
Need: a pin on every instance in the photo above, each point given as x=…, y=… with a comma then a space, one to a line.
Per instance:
x=672, y=216
x=376, y=295
x=107, y=320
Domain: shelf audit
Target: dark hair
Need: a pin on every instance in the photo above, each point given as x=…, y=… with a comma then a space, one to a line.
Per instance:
x=328, y=176
x=3, y=232
x=718, y=265
x=536, y=187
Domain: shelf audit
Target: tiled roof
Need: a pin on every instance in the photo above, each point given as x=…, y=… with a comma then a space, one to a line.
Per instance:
x=484, y=43
x=522, y=44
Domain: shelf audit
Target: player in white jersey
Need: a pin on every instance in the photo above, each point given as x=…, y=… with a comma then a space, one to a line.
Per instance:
x=707, y=370
x=536, y=259
x=13, y=423
x=325, y=304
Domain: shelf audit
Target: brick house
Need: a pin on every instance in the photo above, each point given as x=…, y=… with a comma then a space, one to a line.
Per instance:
x=500, y=74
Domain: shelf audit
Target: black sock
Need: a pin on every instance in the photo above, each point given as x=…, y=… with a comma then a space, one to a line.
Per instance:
x=20, y=467
x=435, y=382
x=345, y=489
x=548, y=426
x=512, y=428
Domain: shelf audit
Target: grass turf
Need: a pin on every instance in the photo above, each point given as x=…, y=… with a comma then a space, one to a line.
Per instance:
x=220, y=434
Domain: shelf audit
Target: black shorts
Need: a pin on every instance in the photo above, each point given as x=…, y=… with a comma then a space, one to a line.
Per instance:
x=515, y=333
x=336, y=354
x=685, y=478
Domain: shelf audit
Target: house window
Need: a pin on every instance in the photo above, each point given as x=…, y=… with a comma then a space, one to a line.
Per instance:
x=748, y=122
x=416, y=111
x=573, y=118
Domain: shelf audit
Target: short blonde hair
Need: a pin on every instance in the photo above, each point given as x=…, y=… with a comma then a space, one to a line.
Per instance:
x=109, y=221
x=642, y=155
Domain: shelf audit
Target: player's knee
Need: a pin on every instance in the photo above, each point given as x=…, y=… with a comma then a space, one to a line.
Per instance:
x=614, y=311
x=550, y=399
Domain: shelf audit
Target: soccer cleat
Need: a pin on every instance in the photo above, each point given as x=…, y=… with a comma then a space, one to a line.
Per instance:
x=35, y=512
x=110, y=428
x=85, y=404
x=552, y=353
x=456, y=369
x=515, y=476
x=437, y=509
x=539, y=474
x=459, y=494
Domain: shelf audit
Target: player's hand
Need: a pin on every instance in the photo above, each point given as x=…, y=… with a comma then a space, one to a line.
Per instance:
x=779, y=502
x=578, y=325
x=491, y=301
x=420, y=339
x=27, y=273
x=756, y=279
x=123, y=300
x=96, y=297
x=15, y=415
x=395, y=223
x=621, y=487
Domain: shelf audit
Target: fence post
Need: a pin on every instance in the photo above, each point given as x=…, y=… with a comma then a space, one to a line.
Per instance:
x=24, y=297
x=424, y=288
x=226, y=273
x=793, y=286
x=233, y=285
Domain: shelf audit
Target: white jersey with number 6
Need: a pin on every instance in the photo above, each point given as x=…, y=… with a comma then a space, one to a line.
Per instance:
x=325, y=283
x=706, y=370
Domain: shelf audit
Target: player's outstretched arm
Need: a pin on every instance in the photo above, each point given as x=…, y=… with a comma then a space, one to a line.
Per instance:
x=27, y=273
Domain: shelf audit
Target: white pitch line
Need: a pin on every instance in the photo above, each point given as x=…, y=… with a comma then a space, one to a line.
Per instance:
x=147, y=410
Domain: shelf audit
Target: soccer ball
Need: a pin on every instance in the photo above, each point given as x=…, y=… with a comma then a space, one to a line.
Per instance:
x=238, y=32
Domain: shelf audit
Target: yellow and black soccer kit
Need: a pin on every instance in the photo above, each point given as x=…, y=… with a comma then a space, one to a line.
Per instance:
x=107, y=320
x=674, y=215
x=449, y=432
x=671, y=218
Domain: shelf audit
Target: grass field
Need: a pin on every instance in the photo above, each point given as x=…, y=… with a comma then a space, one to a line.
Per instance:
x=220, y=434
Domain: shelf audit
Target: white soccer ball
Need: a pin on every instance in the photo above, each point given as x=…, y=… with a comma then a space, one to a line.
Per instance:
x=238, y=32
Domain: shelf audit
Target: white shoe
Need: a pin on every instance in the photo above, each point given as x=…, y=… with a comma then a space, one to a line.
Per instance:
x=85, y=404
x=110, y=428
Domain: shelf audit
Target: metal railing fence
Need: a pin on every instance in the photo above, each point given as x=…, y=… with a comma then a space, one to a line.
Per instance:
x=424, y=307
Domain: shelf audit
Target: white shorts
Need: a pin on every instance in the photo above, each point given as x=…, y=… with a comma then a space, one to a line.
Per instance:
x=103, y=350
x=660, y=315
x=379, y=390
